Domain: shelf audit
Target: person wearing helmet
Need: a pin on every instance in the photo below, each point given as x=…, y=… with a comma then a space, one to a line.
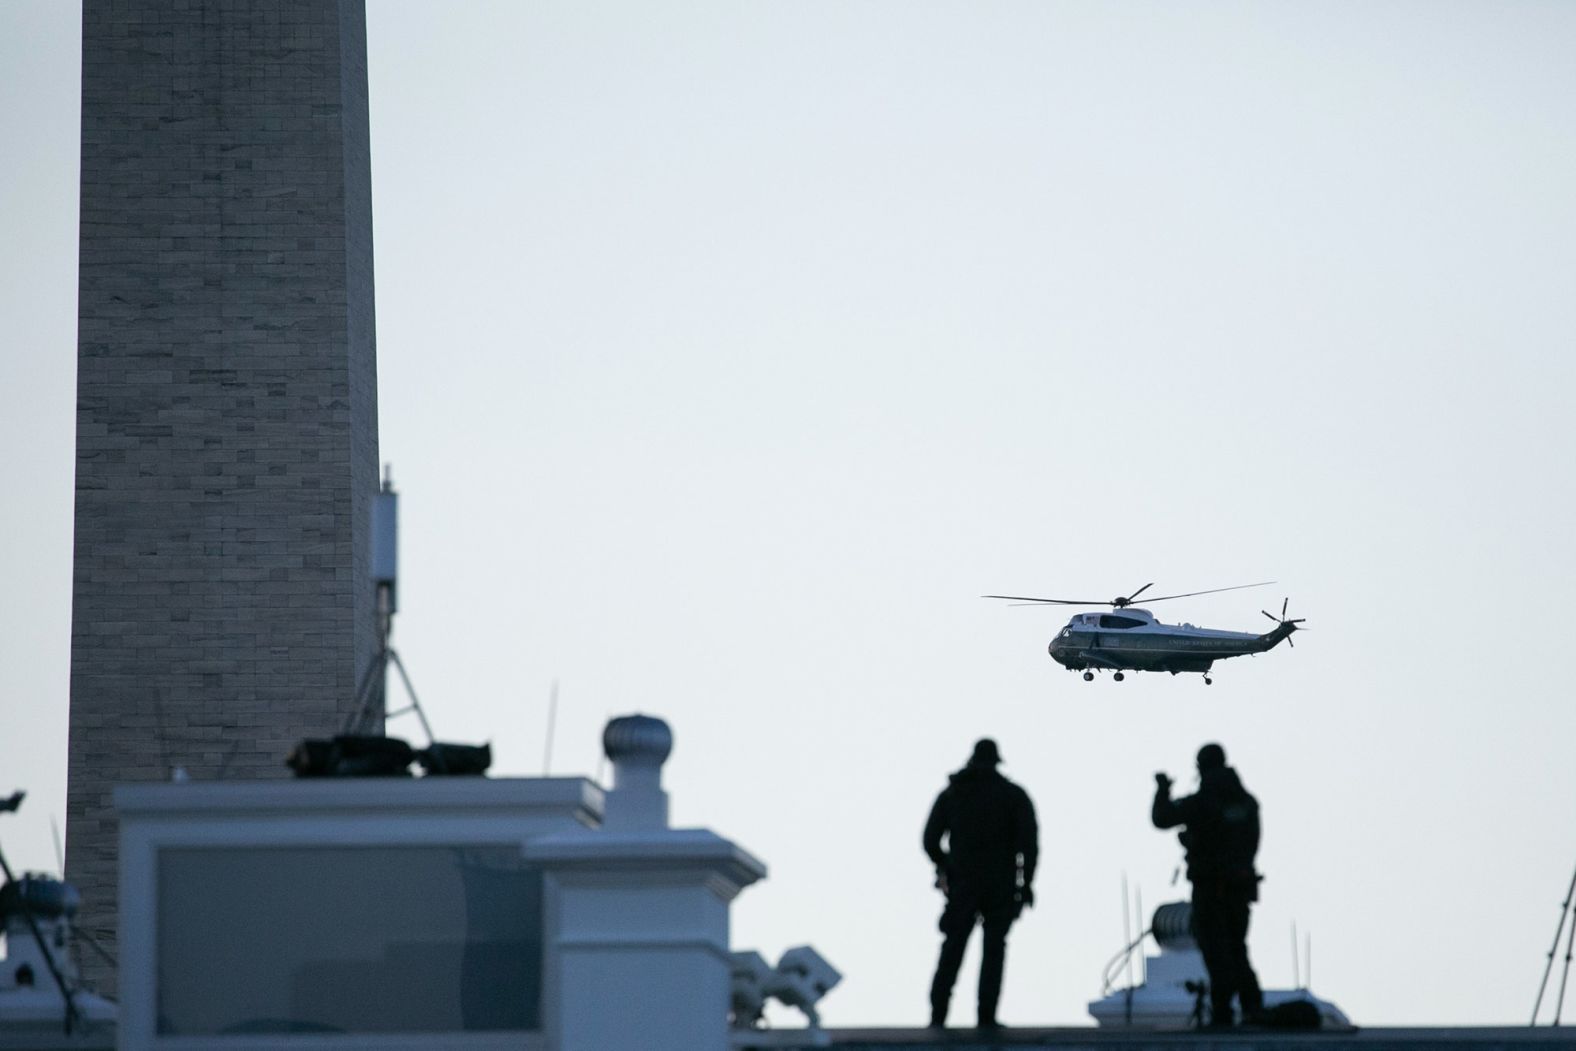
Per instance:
x=986, y=870
x=1221, y=837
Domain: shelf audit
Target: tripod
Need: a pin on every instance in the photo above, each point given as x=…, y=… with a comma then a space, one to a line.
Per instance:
x=1570, y=941
x=370, y=696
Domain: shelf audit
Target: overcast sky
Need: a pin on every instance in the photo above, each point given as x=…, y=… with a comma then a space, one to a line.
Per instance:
x=728, y=352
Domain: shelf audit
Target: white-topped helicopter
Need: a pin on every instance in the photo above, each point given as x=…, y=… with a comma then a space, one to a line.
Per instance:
x=1131, y=639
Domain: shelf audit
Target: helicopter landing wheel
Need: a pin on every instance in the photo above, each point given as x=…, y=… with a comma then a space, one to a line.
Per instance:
x=1208, y=681
x=1118, y=677
x=1088, y=676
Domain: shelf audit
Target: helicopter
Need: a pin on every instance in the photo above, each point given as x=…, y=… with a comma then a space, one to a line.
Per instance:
x=1131, y=639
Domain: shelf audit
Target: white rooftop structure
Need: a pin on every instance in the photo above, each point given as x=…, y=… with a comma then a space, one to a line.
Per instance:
x=36, y=917
x=1172, y=994
x=332, y=914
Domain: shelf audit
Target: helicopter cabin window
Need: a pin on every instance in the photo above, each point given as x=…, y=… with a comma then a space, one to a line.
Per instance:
x=1111, y=620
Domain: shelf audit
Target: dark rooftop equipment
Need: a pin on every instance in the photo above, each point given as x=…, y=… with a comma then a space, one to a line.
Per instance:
x=367, y=755
x=359, y=751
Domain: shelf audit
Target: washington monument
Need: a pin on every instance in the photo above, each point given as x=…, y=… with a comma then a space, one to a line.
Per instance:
x=226, y=399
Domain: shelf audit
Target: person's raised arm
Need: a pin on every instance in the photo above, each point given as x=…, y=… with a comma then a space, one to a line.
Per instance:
x=1166, y=812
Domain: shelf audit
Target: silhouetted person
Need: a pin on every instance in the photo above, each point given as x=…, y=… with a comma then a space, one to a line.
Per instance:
x=986, y=871
x=1221, y=839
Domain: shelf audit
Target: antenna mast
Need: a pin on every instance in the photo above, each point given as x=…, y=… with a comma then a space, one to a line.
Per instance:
x=1565, y=911
x=552, y=720
x=371, y=709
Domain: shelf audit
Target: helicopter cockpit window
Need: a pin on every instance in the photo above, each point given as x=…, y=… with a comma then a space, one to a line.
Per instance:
x=1111, y=620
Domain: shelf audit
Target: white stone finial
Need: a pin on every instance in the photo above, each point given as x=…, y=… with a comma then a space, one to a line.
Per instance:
x=638, y=745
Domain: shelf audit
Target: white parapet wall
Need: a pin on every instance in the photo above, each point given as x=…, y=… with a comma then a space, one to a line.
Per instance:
x=639, y=922
x=473, y=914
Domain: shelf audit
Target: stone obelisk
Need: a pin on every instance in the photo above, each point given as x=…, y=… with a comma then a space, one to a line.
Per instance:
x=226, y=399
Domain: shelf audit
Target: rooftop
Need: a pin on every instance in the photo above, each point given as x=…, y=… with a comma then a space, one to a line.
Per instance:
x=1069, y=1039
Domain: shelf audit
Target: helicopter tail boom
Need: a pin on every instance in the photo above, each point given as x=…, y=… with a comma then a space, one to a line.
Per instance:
x=1271, y=639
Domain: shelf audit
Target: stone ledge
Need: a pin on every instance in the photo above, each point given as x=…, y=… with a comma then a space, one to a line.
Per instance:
x=1090, y=1039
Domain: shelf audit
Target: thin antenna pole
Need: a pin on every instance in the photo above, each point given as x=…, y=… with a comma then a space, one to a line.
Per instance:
x=1296, y=975
x=1307, y=965
x=552, y=722
x=1127, y=940
x=1143, y=961
x=164, y=749
x=60, y=853
x=1565, y=908
x=1570, y=943
x=1127, y=931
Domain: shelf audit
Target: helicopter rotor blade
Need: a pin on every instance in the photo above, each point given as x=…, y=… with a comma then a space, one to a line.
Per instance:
x=1211, y=591
x=1140, y=591
x=1029, y=600
x=1284, y=603
x=1270, y=615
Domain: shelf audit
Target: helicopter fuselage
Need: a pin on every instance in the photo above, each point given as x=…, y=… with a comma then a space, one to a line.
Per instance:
x=1130, y=639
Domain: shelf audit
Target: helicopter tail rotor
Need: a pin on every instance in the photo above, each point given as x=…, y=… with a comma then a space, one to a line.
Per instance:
x=1286, y=626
